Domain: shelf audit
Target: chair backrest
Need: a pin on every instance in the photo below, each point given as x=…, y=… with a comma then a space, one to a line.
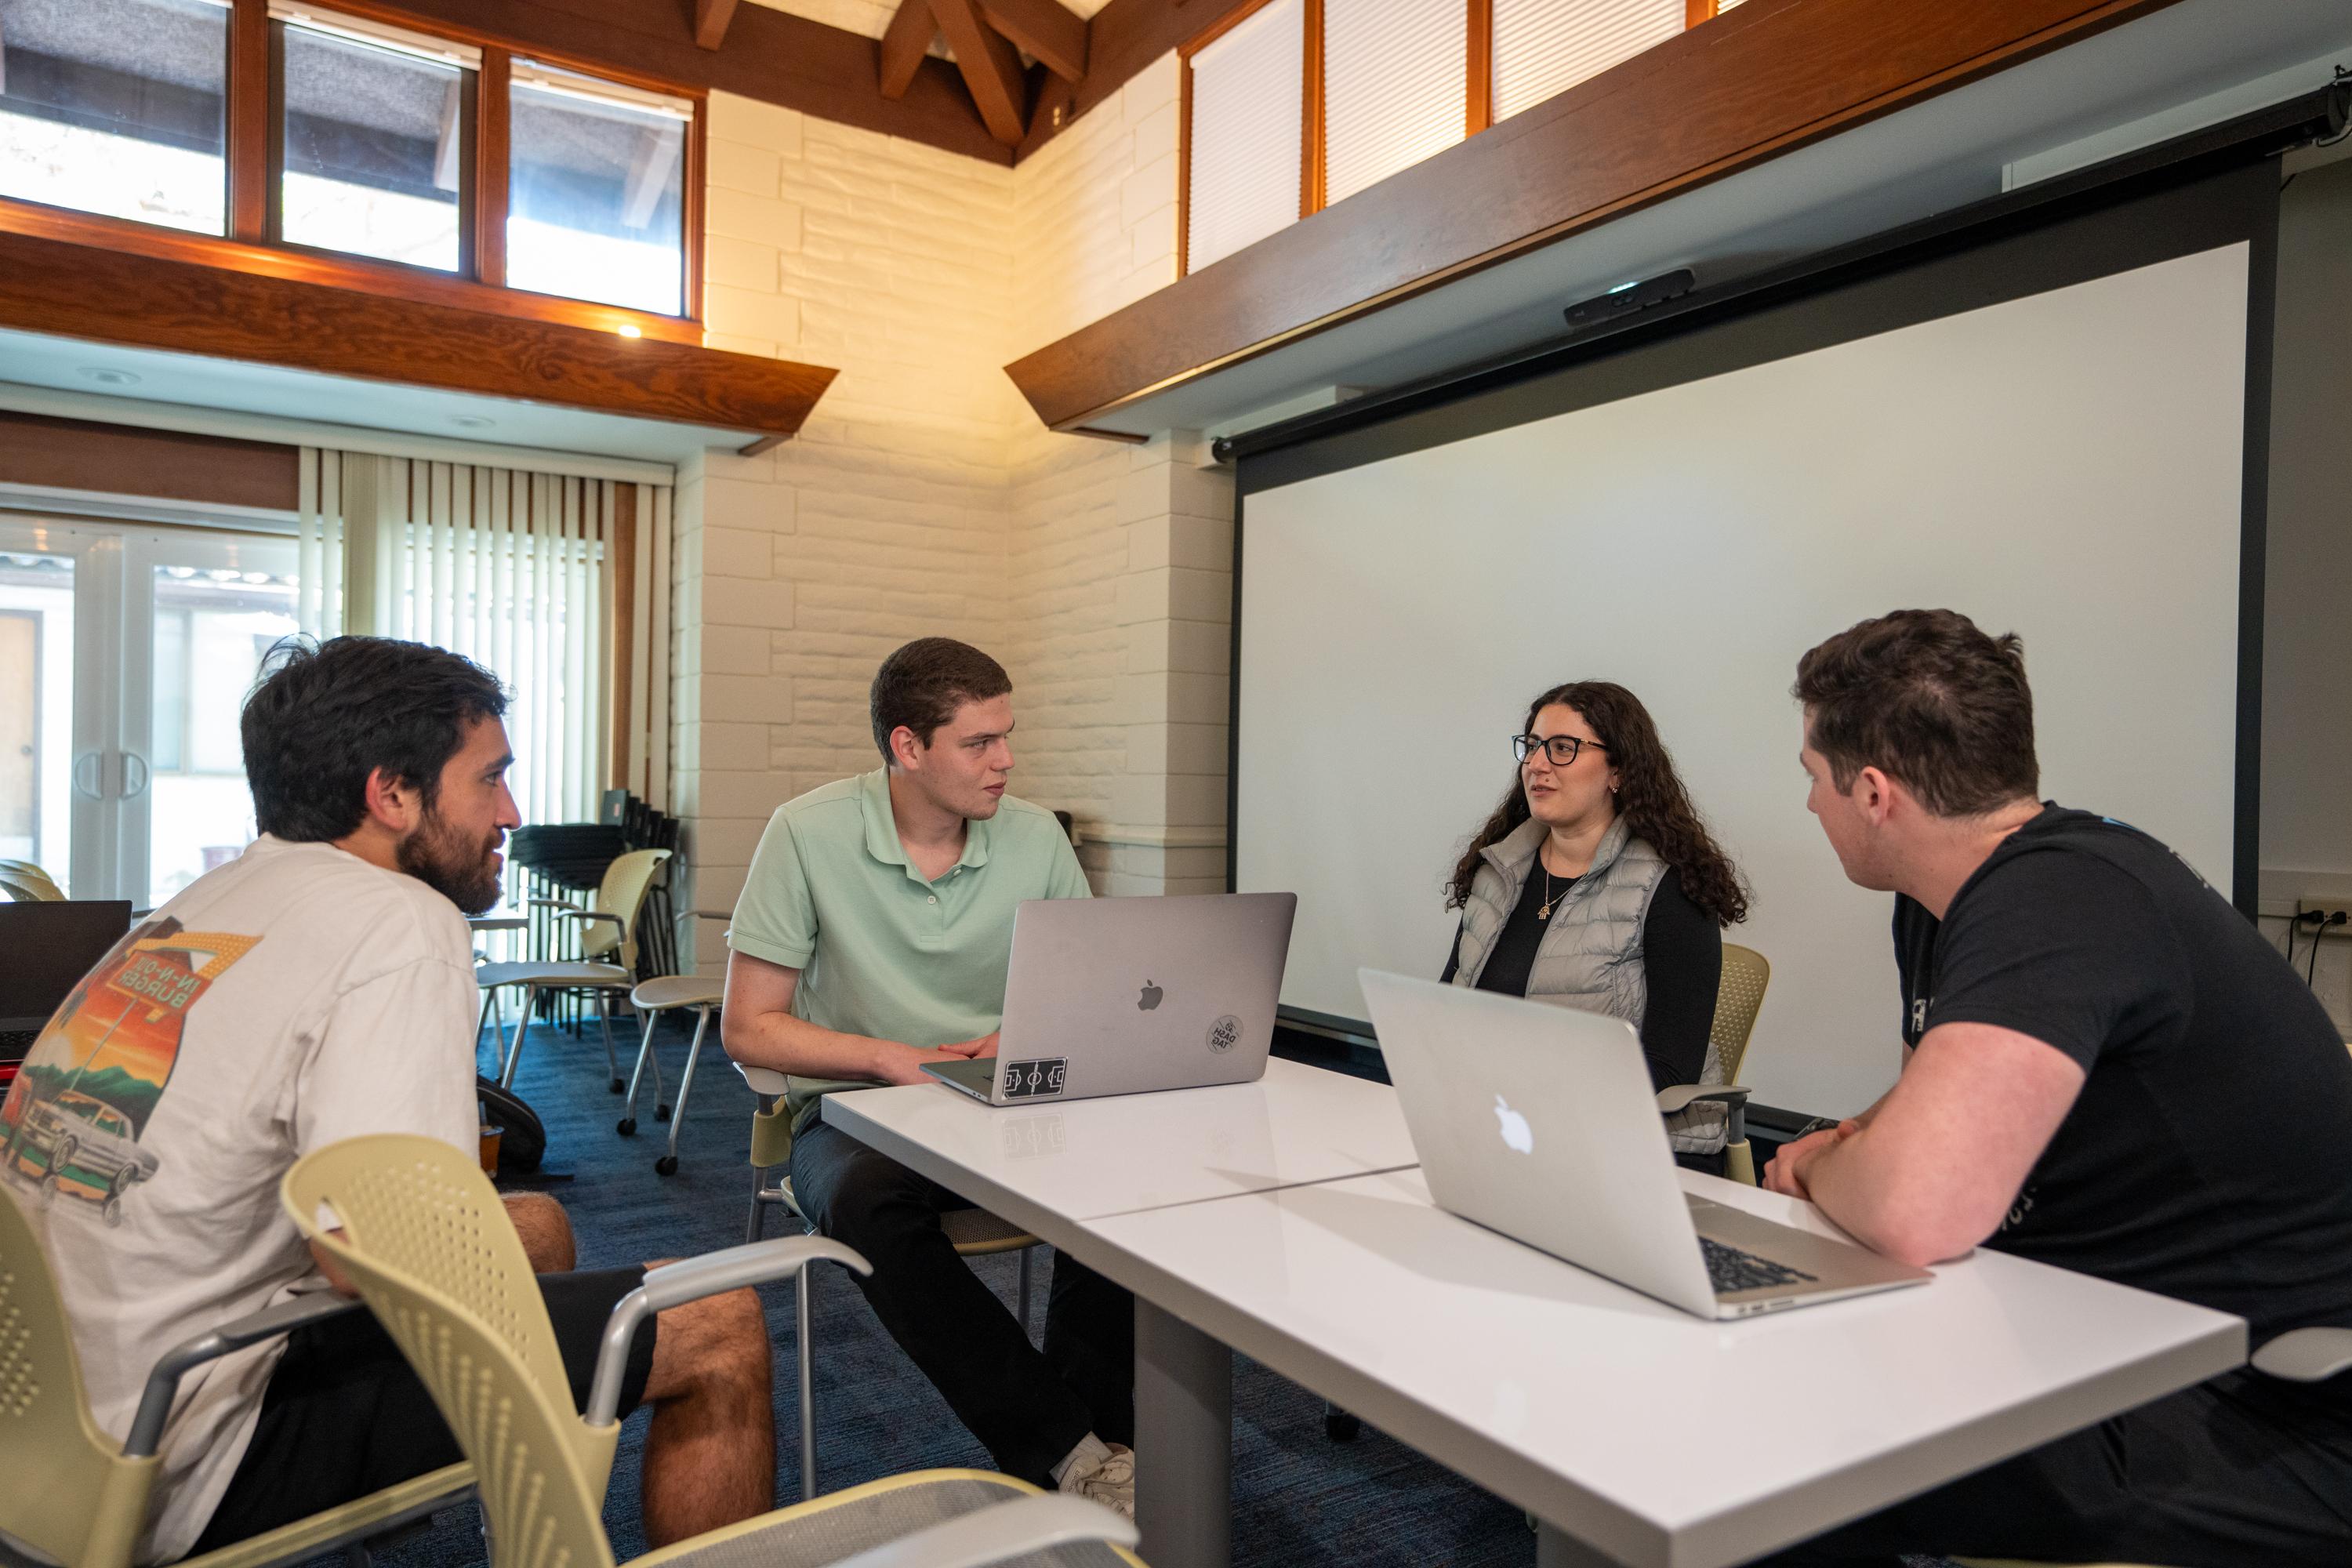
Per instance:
x=30, y=888
x=1738, y=997
x=623, y=893
x=69, y=1494
x=422, y=1234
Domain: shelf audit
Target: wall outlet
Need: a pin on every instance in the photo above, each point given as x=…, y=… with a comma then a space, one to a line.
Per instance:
x=2337, y=910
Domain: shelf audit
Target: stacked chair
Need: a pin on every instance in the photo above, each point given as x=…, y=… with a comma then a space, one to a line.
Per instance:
x=421, y=1233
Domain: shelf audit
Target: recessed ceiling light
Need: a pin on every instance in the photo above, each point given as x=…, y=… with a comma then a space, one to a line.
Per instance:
x=472, y=421
x=107, y=375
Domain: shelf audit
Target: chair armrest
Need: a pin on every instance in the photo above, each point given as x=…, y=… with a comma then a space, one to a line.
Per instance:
x=674, y=1284
x=568, y=913
x=550, y=904
x=1008, y=1530
x=2305, y=1355
x=163, y=1382
x=1683, y=1096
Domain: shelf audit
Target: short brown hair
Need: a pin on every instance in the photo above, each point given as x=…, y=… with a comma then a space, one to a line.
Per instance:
x=922, y=685
x=1926, y=698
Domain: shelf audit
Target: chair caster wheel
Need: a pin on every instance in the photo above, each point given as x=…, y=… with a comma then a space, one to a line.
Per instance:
x=618, y=1086
x=1340, y=1427
x=665, y=1166
x=661, y=1113
x=626, y=1127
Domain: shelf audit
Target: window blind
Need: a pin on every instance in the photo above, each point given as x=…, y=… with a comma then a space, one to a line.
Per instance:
x=1247, y=96
x=1394, y=82
x=1543, y=47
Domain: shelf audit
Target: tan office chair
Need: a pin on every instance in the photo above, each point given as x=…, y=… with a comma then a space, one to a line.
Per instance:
x=421, y=1233
x=974, y=1233
x=27, y=884
x=607, y=961
x=651, y=999
x=1739, y=998
x=77, y=1497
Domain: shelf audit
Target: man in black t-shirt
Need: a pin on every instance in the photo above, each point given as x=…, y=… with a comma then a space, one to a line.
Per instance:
x=2109, y=1070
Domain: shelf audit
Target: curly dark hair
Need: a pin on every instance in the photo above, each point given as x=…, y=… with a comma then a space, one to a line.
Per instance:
x=1649, y=796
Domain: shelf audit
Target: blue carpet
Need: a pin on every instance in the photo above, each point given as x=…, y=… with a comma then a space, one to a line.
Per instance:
x=1297, y=1495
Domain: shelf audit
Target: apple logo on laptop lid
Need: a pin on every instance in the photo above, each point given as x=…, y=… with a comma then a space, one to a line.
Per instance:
x=1149, y=999
x=1517, y=1136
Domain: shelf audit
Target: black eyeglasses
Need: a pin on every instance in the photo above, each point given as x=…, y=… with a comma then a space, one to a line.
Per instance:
x=1561, y=748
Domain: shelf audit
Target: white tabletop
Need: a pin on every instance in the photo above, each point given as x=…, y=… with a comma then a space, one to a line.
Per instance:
x=1659, y=1438
x=1045, y=1166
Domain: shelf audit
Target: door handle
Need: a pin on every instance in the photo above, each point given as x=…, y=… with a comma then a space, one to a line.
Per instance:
x=88, y=770
x=134, y=776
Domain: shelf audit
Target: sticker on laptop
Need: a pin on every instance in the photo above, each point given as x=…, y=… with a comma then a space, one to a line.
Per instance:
x=1223, y=1033
x=1035, y=1081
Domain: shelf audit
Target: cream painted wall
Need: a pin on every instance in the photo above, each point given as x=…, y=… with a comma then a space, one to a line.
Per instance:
x=923, y=497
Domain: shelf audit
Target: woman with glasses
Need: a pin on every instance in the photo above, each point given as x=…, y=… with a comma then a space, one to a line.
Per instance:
x=1595, y=885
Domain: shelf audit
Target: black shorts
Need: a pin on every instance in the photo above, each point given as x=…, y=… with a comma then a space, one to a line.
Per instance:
x=344, y=1416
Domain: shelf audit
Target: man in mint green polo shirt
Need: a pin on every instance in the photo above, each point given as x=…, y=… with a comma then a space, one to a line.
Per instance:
x=873, y=935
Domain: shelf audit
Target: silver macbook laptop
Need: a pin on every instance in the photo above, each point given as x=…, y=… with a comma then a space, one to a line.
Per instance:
x=1540, y=1122
x=1123, y=995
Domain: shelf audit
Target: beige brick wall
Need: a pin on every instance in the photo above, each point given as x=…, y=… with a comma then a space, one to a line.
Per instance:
x=923, y=497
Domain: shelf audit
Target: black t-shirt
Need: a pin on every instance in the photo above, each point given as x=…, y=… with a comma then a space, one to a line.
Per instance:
x=2206, y=1157
x=1682, y=967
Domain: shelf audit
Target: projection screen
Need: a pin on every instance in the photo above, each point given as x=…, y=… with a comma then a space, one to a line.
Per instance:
x=2068, y=465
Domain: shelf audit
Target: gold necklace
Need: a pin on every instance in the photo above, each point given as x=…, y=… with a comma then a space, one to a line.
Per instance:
x=1545, y=913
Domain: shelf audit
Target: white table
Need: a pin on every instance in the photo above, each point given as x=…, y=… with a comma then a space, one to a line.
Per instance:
x=1618, y=1419
x=1612, y=1416
x=1046, y=1167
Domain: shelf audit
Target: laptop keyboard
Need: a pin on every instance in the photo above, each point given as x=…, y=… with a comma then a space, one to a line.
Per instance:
x=15, y=1043
x=1729, y=1269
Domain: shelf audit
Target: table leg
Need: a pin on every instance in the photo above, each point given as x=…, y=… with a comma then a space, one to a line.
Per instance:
x=1183, y=1442
x=1555, y=1548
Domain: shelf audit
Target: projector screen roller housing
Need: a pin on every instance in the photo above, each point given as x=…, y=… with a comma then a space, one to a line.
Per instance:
x=2065, y=462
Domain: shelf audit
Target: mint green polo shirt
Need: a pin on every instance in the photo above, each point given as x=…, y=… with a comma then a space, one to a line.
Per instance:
x=881, y=952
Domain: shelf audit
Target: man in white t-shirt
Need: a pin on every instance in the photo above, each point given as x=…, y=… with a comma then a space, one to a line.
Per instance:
x=319, y=987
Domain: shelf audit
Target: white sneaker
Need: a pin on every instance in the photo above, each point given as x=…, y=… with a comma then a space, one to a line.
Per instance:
x=1110, y=1481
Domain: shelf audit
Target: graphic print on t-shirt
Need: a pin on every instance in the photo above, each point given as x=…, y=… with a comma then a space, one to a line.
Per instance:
x=74, y=1115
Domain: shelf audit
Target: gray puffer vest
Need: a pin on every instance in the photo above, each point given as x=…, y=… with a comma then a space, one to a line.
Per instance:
x=1590, y=955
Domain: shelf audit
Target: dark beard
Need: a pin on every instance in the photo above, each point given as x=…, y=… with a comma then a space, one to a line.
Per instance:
x=459, y=872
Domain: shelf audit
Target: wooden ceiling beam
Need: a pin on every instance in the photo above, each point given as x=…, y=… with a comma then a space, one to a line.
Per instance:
x=87, y=290
x=1051, y=33
x=904, y=44
x=991, y=68
x=710, y=20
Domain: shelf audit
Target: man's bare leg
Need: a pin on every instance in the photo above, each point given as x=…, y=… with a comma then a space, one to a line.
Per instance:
x=546, y=1232
x=711, y=1455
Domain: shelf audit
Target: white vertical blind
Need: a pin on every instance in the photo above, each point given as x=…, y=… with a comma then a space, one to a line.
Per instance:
x=1545, y=47
x=1248, y=92
x=319, y=529
x=1395, y=74
x=510, y=569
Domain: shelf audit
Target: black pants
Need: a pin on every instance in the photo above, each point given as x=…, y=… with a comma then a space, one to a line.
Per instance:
x=1029, y=1409
x=2240, y=1470
x=344, y=1416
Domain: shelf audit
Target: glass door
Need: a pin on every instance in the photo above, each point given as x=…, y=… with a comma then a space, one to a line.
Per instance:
x=121, y=766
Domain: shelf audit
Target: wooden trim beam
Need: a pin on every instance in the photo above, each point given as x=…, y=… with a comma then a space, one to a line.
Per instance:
x=1478, y=101
x=1697, y=10
x=904, y=45
x=76, y=290
x=711, y=20
x=1310, y=112
x=249, y=128
x=1770, y=76
x=493, y=120
x=1053, y=35
x=990, y=69
x=169, y=465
